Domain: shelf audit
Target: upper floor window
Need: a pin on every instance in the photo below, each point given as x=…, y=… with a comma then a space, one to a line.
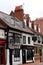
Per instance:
x=28, y=40
x=17, y=38
x=24, y=39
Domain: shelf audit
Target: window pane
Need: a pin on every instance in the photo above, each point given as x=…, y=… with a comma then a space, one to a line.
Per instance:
x=28, y=40
x=17, y=53
x=17, y=38
x=24, y=39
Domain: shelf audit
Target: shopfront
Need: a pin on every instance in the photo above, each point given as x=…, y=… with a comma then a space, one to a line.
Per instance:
x=27, y=54
x=2, y=48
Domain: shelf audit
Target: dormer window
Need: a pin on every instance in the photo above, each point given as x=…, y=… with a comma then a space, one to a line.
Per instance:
x=38, y=29
x=23, y=25
x=25, y=21
x=30, y=24
x=39, y=39
x=34, y=26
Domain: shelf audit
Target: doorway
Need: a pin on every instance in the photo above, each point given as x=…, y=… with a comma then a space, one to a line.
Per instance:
x=23, y=56
x=2, y=55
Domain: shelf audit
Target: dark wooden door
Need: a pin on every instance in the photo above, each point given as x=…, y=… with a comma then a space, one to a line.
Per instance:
x=23, y=56
x=2, y=55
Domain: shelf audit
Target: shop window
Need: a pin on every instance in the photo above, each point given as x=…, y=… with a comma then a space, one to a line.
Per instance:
x=29, y=54
x=24, y=39
x=28, y=40
x=36, y=50
x=17, y=55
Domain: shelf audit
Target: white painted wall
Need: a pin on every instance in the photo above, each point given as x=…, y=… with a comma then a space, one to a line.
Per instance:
x=7, y=57
x=35, y=27
x=30, y=24
x=27, y=35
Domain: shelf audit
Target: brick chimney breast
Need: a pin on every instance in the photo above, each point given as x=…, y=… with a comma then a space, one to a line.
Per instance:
x=19, y=12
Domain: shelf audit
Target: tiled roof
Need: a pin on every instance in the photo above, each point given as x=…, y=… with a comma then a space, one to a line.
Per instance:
x=9, y=20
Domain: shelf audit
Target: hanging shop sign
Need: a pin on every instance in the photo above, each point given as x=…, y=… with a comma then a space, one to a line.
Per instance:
x=2, y=33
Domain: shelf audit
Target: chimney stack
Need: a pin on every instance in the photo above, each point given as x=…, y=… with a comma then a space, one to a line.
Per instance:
x=19, y=12
x=26, y=19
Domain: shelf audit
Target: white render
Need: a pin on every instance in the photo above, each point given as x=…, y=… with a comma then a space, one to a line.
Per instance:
x=27, y=35
x=7, y=59
x=39, y=29
x=35, y=27
x=30, y=24
x=25, y=21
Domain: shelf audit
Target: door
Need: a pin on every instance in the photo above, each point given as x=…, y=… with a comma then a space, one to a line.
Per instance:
x=2, y=55
x=23, y=56
x=29, y=55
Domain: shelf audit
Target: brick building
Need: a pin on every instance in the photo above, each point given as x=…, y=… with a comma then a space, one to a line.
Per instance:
x=35, y=26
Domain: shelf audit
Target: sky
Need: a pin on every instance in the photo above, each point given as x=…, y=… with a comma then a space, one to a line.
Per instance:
x=32, y=7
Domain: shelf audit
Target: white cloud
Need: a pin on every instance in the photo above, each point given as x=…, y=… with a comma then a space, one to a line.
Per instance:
x=32, y=7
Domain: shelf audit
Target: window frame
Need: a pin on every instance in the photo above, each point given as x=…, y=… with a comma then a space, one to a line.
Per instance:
x=28, y=40
x=24, y=40
x=16, y=58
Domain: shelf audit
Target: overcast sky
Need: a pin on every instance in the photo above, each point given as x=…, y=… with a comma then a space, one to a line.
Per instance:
x=32, y=7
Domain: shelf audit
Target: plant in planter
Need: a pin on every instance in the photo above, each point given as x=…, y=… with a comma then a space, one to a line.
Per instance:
x=34, y=38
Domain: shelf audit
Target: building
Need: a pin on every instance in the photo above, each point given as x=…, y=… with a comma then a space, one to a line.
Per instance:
x=33, y=25
x=19, y=42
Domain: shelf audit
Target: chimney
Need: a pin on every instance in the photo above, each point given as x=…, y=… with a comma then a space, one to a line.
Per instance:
x=26, y=19
x=35, y=26
x=19, y=12
x=32, y=25
x=39, y=28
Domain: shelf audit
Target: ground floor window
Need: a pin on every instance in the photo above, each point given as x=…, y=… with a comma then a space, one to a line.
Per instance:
x=29, y=55
x=16, y=54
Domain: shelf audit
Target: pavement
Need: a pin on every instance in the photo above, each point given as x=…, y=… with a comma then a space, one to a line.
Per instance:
x=34, y=63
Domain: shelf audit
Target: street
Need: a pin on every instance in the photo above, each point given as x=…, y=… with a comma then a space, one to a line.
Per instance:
x=35, y=63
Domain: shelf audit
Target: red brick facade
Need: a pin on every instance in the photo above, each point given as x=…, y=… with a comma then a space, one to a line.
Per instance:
x=40, y=22
x=18, y=13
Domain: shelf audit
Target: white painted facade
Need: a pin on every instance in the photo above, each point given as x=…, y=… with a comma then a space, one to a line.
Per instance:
x=7, y=57
x=31, y=43
x=30, y=24
x=35, y=28
x=27, y=35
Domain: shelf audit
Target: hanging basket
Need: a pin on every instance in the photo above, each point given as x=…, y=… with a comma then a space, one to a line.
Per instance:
x=34, y=38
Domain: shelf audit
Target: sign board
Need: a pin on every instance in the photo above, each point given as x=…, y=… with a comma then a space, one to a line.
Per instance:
x=2, y=33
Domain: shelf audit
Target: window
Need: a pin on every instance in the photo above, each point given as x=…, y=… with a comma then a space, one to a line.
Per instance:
x=11, y=40
x=17, y=38
x=17, y=55
x=29, y=54
x=28, y=40
x=24, y=39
